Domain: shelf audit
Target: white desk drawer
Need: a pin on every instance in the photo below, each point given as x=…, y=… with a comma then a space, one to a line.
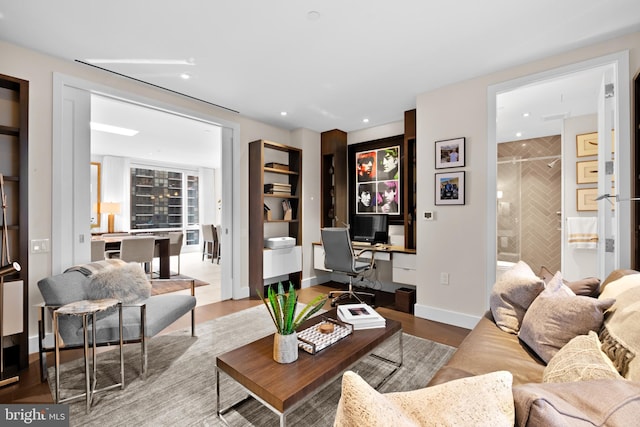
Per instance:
x=407, y=261
x=403, y=275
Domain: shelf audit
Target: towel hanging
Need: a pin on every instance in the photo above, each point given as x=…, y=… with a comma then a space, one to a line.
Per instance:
x=582, y=232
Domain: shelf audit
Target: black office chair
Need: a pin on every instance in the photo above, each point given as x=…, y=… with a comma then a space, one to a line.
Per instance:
x=340, y=257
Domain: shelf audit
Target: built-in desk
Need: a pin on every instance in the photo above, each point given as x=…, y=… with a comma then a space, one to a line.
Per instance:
x=403, y=260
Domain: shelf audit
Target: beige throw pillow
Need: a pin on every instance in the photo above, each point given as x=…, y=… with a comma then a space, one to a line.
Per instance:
x=580, y=360
x=512, y=294
x=483, y=400
x=619, y=286
x=555, y=318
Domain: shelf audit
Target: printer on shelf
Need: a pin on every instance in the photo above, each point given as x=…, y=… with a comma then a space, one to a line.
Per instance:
x=279, y=242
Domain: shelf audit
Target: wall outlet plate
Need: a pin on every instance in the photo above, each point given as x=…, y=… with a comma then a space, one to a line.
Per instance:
x=428, y=215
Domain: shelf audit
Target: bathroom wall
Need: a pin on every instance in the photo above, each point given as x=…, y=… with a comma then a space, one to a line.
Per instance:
x=529, y=212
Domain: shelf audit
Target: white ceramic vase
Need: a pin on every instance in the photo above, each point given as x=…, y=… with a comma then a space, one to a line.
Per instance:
x=285, y=348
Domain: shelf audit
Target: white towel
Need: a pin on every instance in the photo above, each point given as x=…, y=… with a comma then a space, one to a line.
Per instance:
x=582, y=233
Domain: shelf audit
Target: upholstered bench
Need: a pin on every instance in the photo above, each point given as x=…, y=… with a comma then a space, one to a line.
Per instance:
x=113, y=279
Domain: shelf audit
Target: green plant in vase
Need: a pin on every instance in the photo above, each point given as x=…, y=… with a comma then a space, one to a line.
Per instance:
x=282, y=307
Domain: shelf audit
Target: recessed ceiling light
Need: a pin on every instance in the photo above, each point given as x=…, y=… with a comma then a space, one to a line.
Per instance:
x=112, y=129
x=365, y=120
x=525, y=114
x=185, y=76
x=313, y=15
x=283, y=113
x=142, y=61
x=519, y=134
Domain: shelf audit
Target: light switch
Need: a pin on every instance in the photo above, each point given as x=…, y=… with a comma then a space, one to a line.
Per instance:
x=39, y=246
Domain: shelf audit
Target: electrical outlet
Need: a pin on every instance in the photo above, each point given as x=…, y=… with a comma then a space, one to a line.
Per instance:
x=428, y=216
x=444, y=278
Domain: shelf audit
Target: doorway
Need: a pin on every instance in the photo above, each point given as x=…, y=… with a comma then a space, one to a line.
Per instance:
x=71, y=154
x=567, y=121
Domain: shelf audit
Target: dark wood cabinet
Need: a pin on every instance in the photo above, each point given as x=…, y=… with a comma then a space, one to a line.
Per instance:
x=14, y=149
x=333, y=180
x=275, y=210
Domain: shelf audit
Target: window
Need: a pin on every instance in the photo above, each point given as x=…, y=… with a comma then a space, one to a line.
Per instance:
x=158, y=199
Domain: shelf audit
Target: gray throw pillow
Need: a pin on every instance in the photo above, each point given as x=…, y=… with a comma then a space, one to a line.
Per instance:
x=512, y=294
x=555, y=317
x=128, y=284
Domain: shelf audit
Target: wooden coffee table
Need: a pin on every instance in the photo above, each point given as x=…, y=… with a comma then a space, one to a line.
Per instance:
x=284, y=387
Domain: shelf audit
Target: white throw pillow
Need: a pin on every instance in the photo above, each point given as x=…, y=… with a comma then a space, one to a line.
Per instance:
x=127, y=283
x=483, y=400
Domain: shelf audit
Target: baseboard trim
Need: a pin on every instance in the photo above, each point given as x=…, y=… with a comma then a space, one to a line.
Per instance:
x=445, y=316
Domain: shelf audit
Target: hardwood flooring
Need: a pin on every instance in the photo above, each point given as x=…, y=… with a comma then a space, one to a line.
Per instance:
x=30, y=390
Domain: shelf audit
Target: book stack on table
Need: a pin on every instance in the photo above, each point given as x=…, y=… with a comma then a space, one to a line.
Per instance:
x=361, y=316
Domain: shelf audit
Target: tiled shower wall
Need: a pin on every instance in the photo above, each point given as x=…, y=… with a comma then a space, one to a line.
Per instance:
x=529, y=211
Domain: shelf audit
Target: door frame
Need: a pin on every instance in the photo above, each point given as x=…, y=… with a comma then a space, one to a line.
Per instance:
x=63, y=235
x=620, y=60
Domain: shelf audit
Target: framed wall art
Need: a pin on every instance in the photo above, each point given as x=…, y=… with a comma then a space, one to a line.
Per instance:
x=587, y=144
x=449, y=189
x=450, y=153
x=586, y=199
x=378, y=180
x=587, y=172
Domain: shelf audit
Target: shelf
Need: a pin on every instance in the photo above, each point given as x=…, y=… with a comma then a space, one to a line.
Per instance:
x=281, y=196
x=280, y=171
x=9, y=130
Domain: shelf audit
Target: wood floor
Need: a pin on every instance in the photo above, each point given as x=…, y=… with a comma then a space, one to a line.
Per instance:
x=30, y=390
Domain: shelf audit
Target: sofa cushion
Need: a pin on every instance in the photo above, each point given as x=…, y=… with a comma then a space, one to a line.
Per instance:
x=127, y=283
x=487, y=348
x=488, y=401
x=512, y=294
x=580, y=360
x=585, y=403
x=621, y=333
x=555, y=317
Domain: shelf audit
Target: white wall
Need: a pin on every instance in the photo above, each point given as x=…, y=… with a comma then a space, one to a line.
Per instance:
x=577, y=263
x=456, y=241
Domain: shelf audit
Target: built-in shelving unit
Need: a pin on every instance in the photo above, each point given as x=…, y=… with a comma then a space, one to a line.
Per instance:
x=409, y=171
x=275, y=182
x=14, y=149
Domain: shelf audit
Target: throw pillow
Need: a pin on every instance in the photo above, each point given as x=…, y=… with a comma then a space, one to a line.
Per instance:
x=580, y=360
x=554, y=318
x=487, y=401
x=512, y=294
x=589, y=286
x=621, y=333
x=127, y=283
x=619, y=286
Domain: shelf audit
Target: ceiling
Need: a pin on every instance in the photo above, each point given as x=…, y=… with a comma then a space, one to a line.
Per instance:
x=328, y=64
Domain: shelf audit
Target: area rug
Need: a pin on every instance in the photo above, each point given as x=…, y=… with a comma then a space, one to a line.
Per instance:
x=180, y=386
x=173, y=284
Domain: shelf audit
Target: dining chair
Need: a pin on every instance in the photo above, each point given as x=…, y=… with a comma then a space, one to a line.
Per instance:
x=218, y=248
x=208, y=241
x=97, y=250
x=138, y=249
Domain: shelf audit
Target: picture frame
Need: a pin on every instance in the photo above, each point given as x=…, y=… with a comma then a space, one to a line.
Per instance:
x=450, y=188
x=377, y=180
x=586, y=199
x=450, y=153
x=587, y=172
x=587, y=144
